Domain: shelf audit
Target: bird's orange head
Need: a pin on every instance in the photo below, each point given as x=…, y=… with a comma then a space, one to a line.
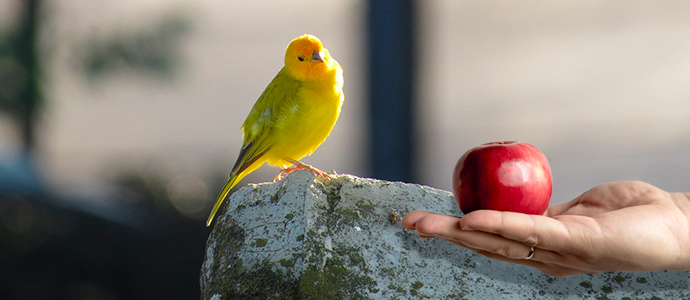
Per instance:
x=307, y=59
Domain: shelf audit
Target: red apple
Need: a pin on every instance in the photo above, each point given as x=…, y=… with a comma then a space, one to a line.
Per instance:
x=505, y=176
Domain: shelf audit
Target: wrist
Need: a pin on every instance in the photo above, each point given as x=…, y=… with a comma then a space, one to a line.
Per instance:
x=682, y=200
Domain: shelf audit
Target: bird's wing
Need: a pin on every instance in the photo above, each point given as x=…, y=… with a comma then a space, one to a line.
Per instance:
x=276, y=100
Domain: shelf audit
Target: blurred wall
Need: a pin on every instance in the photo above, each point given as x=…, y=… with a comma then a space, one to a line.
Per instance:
x=602, y=88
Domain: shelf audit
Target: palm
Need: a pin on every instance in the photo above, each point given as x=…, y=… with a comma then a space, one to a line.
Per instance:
x=629, y=226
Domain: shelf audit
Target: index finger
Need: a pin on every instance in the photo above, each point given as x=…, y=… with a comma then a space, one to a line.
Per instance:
x=533, y=230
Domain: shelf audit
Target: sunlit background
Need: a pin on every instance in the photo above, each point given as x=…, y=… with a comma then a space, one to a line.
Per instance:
x=113, y=148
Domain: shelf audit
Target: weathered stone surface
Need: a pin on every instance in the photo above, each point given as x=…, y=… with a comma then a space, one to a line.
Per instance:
x=303, y=238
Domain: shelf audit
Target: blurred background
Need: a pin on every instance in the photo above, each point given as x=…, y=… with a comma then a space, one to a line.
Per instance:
x=120, y=120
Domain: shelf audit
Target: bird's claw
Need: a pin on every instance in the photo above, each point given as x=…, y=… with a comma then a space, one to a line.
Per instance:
x=297, y=165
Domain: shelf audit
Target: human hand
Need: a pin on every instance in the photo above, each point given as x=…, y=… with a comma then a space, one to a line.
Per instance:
x=619, y=226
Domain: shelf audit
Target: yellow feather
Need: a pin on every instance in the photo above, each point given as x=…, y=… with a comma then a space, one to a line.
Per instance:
x=293, y=116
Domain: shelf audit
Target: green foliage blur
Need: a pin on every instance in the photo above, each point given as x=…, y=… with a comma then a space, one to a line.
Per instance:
x=152, y=50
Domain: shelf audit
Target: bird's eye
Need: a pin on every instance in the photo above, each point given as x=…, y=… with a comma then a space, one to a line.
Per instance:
x=301, y=58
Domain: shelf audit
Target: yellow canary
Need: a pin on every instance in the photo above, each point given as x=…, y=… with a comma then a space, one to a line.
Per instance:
x=293, y=116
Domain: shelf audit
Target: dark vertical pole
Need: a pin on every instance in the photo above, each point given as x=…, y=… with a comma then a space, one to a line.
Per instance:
x=391, y=86
x=27, y=55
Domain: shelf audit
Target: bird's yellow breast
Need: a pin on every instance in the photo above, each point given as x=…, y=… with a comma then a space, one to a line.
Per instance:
x=307, y=121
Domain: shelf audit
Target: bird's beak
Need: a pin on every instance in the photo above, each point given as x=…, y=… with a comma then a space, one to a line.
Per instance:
x=317, y=56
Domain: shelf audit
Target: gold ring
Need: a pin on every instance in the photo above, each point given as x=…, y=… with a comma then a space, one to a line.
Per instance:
x=531, y=253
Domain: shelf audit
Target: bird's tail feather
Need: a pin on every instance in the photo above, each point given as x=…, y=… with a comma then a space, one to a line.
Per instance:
x=232, y=181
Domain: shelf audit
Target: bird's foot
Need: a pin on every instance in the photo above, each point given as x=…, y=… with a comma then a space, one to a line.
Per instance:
x=284, y=172
x=297, y=165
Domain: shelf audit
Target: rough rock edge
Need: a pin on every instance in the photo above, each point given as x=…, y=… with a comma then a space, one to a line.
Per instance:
x=307, y=238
